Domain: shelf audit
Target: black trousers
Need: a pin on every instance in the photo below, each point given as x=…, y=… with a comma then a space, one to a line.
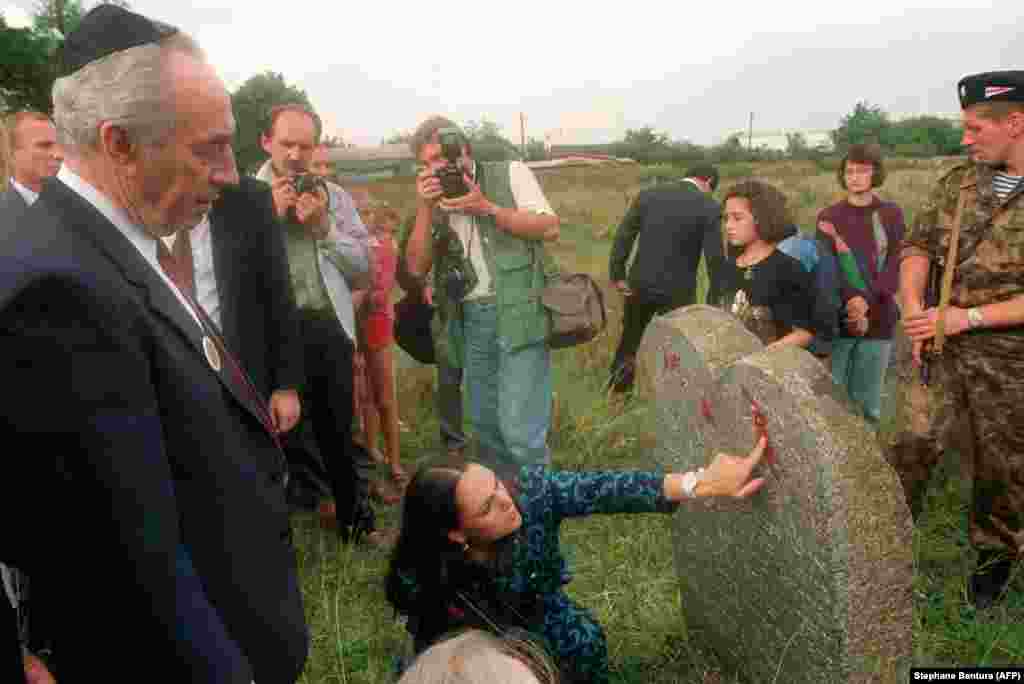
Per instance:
x=11, y=667
x=638, y=310
x=329, y=405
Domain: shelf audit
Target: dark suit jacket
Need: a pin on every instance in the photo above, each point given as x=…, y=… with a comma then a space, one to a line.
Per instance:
x=257, y=309
x=11, y=667
x=11, y=205
x=158, y=517
x=675, y=223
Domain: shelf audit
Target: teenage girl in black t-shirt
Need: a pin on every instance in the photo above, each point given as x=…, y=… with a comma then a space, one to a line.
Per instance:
x=768, y=290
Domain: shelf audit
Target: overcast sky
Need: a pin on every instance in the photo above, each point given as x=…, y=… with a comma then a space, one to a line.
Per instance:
x=696, y=70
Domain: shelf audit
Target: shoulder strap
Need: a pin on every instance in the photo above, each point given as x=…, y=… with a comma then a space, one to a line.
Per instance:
x=947, y=273
x=881, y=240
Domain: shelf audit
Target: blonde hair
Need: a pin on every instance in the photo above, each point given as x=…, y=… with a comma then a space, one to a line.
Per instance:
x=478, y=657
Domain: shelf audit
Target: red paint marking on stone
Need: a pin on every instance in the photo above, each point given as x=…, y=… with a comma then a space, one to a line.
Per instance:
x=761, y=424
x=671, y=360
x=705, y=410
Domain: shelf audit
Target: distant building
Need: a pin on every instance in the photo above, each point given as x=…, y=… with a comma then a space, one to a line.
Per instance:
x=779, y=140
x=363, y=164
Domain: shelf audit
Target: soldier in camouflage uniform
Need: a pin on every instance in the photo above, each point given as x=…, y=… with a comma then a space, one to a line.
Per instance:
x=980, y=373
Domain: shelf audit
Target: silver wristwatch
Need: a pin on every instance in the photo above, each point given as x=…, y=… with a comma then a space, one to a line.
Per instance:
x=690, y=481
x=974, y=318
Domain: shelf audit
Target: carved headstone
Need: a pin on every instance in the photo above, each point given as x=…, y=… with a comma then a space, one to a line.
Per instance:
x=810, y=579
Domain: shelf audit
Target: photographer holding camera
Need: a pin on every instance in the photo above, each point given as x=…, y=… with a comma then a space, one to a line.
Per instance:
x=477, y=225
x=328, y=258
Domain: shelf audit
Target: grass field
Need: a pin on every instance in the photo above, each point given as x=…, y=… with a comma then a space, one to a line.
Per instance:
x=623, y=564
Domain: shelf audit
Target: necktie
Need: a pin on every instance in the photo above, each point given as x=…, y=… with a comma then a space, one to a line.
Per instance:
x=232, y=372
x=183, y=261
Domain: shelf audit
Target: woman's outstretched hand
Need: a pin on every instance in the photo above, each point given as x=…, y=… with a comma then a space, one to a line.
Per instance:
x=730, y=475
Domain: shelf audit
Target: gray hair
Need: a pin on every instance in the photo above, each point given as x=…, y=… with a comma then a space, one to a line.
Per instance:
x=478, y=657
x=128, y=88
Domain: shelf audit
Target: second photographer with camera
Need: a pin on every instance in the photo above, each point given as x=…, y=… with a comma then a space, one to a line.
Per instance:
x=328, y=258
x=477, y=225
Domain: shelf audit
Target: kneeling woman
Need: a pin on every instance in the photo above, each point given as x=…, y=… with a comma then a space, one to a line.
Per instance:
x=770, y=292
x=477, y=550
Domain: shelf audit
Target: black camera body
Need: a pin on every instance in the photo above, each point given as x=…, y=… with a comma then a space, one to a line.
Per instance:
x=305, y=183
x=452, y=182
x=308, y=183
x=455, y=284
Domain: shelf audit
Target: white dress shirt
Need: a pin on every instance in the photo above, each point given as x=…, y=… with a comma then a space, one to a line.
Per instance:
x=140, y=239
x=30, y=196
x=202, y=268
x=529, y=197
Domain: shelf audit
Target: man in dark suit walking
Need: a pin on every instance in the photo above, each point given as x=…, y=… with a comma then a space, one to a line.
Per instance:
x=675, y=223
x=31, y=154
x=170, y=550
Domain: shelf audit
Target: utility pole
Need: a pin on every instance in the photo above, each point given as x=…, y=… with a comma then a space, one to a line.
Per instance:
x=750, y=136
x=522, y=133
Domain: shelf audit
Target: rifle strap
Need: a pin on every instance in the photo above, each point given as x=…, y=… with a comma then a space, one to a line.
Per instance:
x=947, y=273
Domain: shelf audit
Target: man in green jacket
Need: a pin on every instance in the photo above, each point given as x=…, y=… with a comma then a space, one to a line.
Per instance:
x=328, y=258
x=486, y=250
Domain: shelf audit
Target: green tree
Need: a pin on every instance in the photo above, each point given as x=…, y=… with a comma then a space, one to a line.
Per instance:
x=30, y=65
x=865, y=124
x=62, y=16
x=397, y=138
x=335, y=141
x=488, y=142
x=485, y=131
x=796, y=146
x=27, y=69
x=923, y=136
x=252, y=102
x=646, y=136
x=645, y=145
x=536, y=150
x=732, y=150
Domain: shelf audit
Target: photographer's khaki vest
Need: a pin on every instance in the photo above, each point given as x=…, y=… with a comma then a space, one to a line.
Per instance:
x=517, y=273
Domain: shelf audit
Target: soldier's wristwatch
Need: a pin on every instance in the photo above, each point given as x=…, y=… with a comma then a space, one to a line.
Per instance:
x=690, y=481
x=974, y=318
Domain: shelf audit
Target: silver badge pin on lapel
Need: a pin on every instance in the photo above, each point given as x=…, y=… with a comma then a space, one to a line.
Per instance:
x=212, y=355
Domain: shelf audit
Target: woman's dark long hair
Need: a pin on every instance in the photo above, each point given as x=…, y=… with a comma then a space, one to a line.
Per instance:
x=424, y=551
x=429, y=571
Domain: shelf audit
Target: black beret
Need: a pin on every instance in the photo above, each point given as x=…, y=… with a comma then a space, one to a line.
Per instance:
x=992, y=86
x=107, y=29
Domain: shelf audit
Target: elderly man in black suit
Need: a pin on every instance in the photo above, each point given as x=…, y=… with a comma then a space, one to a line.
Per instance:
x=675, y=222
x=172, y=527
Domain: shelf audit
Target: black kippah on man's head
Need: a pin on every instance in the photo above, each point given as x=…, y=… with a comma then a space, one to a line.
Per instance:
x=992, y=86
x=107, y=29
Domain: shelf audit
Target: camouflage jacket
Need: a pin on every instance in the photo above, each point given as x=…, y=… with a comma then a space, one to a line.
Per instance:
x=990, y=262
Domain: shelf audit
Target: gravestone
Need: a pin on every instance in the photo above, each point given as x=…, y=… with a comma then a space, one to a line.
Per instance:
x=810, y=579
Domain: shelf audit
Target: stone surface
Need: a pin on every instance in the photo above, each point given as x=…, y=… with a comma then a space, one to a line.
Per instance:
x=810, y=579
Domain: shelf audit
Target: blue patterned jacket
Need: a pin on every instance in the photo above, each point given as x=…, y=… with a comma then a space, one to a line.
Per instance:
x=548, y=497
x=533, y=565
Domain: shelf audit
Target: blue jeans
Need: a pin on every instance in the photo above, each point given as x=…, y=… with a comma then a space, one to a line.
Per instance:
x=859, y=365
x=449, y=404
x=509, y=391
